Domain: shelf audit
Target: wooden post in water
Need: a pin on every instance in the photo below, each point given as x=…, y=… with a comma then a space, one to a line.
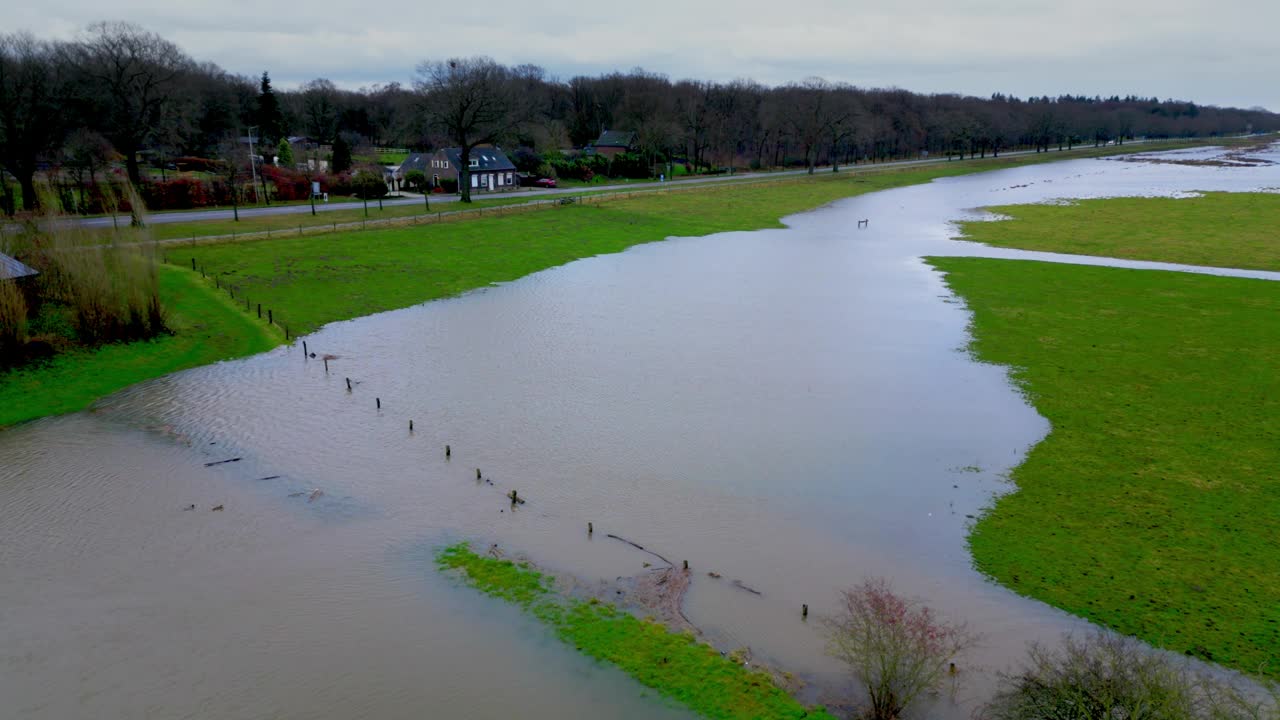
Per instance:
x=686, y=566
x=804, y=611
x=410, y=426
x=590, y=529
x=304, y=349
x=326, y=366
x=447, y=452
x=348, y=384
x=378, y=401
x=477, y=473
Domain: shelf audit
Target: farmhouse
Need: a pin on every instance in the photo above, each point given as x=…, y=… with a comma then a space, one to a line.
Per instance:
x=612, y=143
x=490, y=170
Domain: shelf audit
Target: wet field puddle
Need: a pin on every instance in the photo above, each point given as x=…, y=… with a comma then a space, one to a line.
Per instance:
x=788, y=409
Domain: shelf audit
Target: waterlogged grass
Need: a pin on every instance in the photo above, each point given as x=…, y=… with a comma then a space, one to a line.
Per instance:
x=206, y=328
x=1153, y=507
x=674, y=664
x=1217, y=229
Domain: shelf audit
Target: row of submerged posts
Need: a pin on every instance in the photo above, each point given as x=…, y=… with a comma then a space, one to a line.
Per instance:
x=237, y=294
x=514, y=495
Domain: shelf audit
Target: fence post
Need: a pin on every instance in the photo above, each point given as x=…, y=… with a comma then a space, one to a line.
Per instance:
x=270, y=320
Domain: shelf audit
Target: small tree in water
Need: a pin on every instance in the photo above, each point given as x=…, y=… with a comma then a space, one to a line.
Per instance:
x=895, y=647
x=1104, y=675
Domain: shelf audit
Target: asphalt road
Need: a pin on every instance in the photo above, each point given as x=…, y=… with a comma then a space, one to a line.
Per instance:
x=203, y=215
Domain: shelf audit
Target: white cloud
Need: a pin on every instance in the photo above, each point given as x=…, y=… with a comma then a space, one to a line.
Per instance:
x=1207, y=52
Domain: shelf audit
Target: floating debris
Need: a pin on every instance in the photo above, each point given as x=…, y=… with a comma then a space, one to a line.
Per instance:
x=221, y=462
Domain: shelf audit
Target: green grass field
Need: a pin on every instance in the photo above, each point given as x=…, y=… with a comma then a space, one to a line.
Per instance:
x=1219, y=229
x=206, y=328
x=674, y=664
x=1153, y=507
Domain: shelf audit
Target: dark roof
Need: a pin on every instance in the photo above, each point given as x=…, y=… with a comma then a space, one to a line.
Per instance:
x=11, y=269
x=615, y=138
x=491, y=158
x=416, y=161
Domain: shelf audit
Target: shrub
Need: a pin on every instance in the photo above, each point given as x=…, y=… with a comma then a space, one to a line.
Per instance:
x=449, y=185
x=1110, y=676
x=894, y=647
x=369, y=184
x=415, y=180
x=630, y=165
x=284, y=153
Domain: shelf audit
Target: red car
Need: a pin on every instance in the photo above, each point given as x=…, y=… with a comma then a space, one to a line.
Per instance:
x=545, y=182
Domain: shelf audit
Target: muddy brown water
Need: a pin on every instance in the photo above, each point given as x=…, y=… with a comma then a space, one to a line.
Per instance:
x=791, y=409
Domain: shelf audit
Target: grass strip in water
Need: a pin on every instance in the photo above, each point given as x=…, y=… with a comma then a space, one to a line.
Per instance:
x=1153, y=506
x=205, y=326
x=1236, y=230
x=674, y=664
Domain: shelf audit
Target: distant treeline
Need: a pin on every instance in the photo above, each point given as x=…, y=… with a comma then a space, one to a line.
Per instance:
x=122, y=95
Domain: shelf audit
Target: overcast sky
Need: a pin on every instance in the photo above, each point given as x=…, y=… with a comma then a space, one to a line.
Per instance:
x=1225, y=52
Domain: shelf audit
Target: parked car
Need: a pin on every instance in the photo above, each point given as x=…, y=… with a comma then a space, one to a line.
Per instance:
x=545, y=182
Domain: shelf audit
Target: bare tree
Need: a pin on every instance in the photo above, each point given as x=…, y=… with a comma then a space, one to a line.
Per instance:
x=32, y=112
x=471, y=101
x=894, y=647
x=134, y=74
x=234, y=160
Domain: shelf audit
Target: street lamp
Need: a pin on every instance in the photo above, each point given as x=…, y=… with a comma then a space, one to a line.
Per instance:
x=253, y=168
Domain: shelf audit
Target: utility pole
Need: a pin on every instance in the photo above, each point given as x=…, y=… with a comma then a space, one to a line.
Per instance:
x=253, y=168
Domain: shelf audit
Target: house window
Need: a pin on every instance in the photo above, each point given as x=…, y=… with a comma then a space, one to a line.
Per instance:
x=509, y=178
x=475, y=181
x=475, y=163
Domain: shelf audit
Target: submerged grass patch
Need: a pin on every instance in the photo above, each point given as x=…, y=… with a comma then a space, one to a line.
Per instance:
x=1217, y=229
x=1153, y=507
x=674, y=664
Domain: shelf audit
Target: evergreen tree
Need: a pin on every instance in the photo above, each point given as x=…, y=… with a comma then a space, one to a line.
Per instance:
x=270, y=118
x=284, y=153
x=341, y=155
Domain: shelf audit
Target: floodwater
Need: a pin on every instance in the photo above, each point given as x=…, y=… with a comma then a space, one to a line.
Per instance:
x=792, y=409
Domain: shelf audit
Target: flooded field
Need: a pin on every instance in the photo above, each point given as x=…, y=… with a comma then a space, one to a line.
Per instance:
x=791, y=409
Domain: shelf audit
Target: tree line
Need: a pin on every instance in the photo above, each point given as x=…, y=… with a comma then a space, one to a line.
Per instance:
x=121, y=94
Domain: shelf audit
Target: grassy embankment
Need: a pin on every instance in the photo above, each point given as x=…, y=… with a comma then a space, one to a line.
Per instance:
x=206, y=328
x=312, y=280
x=675, y=664
x=1153, y=507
